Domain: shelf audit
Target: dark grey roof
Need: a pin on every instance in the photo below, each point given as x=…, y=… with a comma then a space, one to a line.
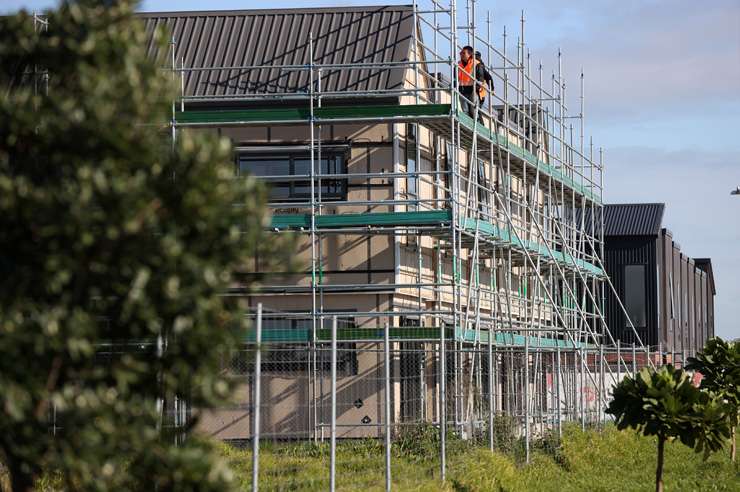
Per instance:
x=281, y=37
x=633, y=219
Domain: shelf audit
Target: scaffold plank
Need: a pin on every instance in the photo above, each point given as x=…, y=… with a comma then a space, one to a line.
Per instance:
x=378, y=219
x=359, y=113
x=429, y=333
x=430, y=218
x=504, y=235
x=526, y=156
x=436, y=113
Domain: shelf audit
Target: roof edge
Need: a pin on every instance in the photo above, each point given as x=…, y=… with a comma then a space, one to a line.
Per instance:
x=287, y=10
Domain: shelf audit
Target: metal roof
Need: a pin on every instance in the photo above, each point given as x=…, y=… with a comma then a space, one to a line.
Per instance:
x=633, y=219
x=348, y=35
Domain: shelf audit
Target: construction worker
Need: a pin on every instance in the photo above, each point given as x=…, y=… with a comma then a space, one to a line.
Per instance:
x=470, y=70
x=486, y=77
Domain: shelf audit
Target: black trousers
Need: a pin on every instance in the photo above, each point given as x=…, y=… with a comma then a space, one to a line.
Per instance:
x=470, y=100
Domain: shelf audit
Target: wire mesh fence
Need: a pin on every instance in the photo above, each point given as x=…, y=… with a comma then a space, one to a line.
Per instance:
x=331, y=398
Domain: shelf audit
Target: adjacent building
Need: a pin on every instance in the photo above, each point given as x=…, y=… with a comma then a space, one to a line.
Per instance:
x=668, y=295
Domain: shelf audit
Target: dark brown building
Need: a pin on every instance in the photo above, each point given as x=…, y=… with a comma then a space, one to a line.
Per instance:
x=668, y=295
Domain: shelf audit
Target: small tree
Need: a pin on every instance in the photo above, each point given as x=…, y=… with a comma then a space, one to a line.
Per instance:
x=665, y=403
x=719, y=365
x=110, y=235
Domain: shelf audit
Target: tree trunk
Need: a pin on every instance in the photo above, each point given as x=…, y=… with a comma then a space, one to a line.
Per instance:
x=659, y=469
x=733, y=445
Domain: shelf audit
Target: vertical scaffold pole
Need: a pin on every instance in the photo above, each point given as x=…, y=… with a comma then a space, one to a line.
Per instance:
x=257, y=399
x=313, y=354
x=174, y=102
x=601, y=383
x=557, y=391
x=453, y=206
x=333, y=457
x=634, y=360
x=387, y=405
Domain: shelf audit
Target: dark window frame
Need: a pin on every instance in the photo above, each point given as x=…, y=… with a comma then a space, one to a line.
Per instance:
x=412, y=166
x=637, y=312
x=297, y=185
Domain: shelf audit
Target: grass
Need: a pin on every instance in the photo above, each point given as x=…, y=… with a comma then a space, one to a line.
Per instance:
x=583, y=461
x=589, y=461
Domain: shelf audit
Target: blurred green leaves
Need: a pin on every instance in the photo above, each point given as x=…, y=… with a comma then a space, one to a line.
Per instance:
x=111, y=237
x=719, y=365
x=665, y=403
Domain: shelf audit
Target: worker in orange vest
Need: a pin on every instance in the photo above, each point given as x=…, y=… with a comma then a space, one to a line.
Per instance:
x=470, y=70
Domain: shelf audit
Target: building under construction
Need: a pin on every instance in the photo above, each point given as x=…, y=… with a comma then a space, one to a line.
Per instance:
x=449, y=274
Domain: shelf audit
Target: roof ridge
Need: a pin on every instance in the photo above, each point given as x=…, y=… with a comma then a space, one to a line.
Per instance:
x=633, y=204
x=287, y=10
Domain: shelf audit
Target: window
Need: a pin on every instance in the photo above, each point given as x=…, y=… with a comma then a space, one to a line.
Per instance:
x=634, y=294
x=283, y=170
x=483, y=194
x=448, y=169
x=411, y=164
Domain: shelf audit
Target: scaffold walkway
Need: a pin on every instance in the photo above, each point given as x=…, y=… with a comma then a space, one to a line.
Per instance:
x=434, y=116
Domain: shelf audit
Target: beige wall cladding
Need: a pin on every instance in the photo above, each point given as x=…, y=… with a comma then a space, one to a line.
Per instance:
x=345, y=259
x=364, y=133
x=293, y=402
x=245, y=134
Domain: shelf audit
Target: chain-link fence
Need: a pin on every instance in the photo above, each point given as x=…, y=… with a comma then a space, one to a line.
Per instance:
x=323, y=388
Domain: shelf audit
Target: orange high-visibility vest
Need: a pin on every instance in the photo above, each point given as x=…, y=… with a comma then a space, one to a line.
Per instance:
x=466, y=75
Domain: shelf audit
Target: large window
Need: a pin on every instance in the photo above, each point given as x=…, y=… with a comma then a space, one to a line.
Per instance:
x=635, y=294
x=288, y=173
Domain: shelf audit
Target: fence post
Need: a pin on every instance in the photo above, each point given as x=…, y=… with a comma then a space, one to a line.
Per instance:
x=526, y=397
x=442, y=403
x=619, y=361
x=490, y=388
x=257, y=400
x=333, y=458
x=387, y=353
x=557, y=391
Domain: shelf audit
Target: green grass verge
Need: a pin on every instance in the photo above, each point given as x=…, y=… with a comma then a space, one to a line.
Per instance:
x=589, y=461
x=583, y=461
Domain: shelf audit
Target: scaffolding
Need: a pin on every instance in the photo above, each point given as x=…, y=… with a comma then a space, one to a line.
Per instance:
x=487, y=220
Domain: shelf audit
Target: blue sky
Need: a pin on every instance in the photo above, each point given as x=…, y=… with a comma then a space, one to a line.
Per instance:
x=662, y=98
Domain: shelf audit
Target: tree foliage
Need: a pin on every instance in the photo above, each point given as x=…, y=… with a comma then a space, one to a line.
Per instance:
x=719, y=365
x=111, y=237
x=665, y=403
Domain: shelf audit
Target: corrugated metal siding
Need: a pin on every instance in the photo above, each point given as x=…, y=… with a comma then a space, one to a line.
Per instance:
x=631, y=251
x=687, y=323
x=665, y=275
x=678, y=314
x=691, y=302
x=633, y=219
x=281, y=37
